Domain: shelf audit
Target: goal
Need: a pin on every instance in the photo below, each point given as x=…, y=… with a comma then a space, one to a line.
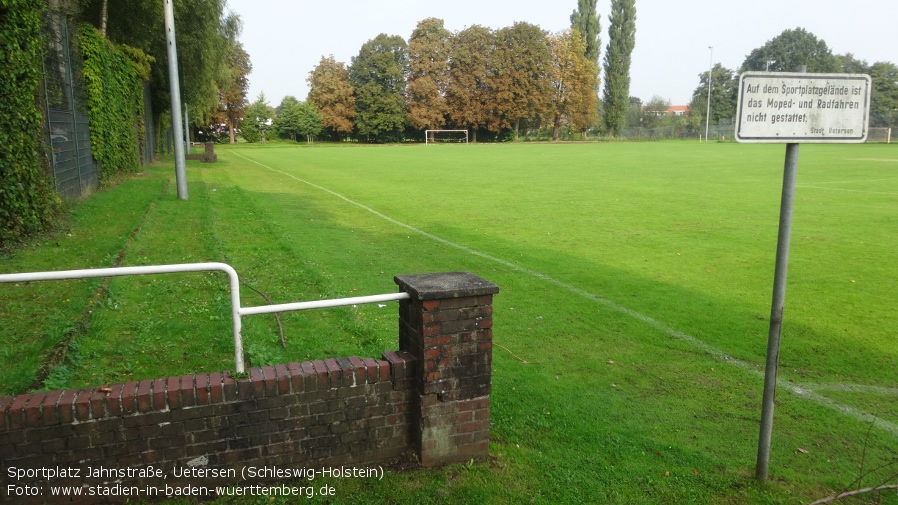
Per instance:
x=454, y=136
x=879, y=135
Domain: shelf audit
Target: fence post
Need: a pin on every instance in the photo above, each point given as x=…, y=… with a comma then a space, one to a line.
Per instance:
x=446, y=326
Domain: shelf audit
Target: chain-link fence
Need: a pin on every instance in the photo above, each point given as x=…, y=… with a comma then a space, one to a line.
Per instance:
x=68, y=129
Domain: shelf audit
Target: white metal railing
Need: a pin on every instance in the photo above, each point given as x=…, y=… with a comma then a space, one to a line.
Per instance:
x=236, y=310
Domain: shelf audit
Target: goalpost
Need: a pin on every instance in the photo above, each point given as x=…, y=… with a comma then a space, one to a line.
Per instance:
x=434, y=136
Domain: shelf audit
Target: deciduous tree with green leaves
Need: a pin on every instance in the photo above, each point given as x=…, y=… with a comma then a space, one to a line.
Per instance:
x=428, y=78
x=378, y=75
x=790, y=50
x=621, y=41
x=724, y=95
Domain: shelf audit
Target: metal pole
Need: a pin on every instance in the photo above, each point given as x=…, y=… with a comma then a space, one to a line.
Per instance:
x=776, y=310
x=186, y=131
x=175, y=89
x=708, y=113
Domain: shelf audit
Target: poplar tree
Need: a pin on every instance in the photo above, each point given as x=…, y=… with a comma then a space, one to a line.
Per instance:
x=585, y=20
x=621, y=40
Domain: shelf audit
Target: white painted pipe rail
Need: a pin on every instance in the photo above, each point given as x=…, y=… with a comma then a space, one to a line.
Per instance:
x=236, y=310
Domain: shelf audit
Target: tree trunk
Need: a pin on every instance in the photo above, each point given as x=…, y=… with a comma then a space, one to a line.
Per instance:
x=231, y=132
x=103, y=17
x=582, y=133
x=556, y=125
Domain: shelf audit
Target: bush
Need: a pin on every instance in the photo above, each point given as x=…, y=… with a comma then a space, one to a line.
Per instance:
x=28, y=200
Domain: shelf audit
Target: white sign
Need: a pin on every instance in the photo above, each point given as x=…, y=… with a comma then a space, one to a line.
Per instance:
x=791, y=107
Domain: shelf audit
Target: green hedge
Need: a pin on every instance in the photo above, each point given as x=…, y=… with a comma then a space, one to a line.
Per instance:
x=113, y=76
x=28, y=200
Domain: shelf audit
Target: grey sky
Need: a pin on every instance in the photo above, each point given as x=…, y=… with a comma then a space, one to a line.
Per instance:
x=287, y=38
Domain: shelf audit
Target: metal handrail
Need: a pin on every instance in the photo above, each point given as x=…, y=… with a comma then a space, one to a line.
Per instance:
x=236, y=310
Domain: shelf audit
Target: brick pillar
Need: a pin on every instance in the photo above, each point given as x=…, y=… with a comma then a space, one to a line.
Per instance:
x=447, y=327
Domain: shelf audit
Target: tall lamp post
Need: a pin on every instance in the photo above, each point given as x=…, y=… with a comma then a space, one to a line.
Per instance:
x=708, y=112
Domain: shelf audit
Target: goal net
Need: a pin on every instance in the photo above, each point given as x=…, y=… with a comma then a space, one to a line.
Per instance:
x=443, y=136
x=879, y=135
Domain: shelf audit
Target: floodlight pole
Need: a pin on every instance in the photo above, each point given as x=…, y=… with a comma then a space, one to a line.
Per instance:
x=175, y=90
x=708, y=112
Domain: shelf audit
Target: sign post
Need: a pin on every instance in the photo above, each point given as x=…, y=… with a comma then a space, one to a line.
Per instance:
x=794, y=108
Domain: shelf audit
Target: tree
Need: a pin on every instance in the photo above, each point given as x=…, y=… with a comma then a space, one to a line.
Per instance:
x=724, y=95
x=884, y=94
x=469, y=95
x=574, y=79
x=634, y=113
x=258, y=120
x=654, y=112
x=233, y=83
x=332, y=95
x=378, y=75
x=621, y=41
x=310, y=123
x=587, y=21
x=428, y=80
x=202, y=30
x=519, y=77
x=789, y=50
x=286, y=121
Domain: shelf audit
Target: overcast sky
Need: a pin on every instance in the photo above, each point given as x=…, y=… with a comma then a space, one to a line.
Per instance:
x=287, y=38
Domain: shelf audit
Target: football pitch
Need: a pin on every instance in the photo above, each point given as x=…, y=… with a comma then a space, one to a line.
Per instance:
x=630, y=329
x=636, y=287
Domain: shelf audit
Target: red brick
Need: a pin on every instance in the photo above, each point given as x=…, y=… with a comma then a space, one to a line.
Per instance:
x=334, y=372
x=129, y=390
x=98, y=403
x=431, y=330
x=371, y=370
x=257, y=381
x=82, y=405
x=202, y=389
x=144, y=396
x=436, y=341
x=65, y=408
x=216, y=387
x=321, y=374
x=310, y=376
x=296, y=377
x=269, y=380
x=359, y=369
x=159, y=400
x=33, y=409
x=48, y=408
x=187, y=391
x=172, y=385
x=5, y=402
x=429, y=305
x=283, y=378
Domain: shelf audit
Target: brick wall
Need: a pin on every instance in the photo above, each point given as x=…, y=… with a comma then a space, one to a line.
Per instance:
x=430, y=398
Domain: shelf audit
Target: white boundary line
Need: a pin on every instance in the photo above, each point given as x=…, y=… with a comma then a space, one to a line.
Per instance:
x=802, y=391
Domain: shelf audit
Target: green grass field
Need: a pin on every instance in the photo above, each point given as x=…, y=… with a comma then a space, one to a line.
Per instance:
x=630, y=329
